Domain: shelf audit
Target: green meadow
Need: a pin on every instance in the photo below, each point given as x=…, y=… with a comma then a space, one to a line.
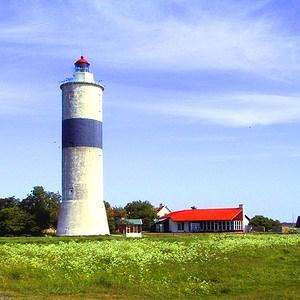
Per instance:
x=204, y=266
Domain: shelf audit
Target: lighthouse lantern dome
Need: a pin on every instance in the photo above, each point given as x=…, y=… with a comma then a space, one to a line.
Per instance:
x=82, y=65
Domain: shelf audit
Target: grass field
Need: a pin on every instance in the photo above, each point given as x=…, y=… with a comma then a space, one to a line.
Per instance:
x=224, y=266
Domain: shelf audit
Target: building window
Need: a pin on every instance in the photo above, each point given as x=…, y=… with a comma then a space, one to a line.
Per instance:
x=208, y=226
x=195, y=227
x=216, y=226
x=180, y=226
x=239, y=225
x=201, y=226
x=157, y=227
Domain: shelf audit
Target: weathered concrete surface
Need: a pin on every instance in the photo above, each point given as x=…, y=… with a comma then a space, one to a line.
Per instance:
x=82, y=210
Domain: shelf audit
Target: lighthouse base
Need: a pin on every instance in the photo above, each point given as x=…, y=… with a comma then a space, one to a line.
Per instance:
x=82, y=218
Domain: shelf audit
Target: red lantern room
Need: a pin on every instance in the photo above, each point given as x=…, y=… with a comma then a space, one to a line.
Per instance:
x=82, y=65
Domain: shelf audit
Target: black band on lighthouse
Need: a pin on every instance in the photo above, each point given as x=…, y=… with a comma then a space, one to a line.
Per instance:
x=81, y=132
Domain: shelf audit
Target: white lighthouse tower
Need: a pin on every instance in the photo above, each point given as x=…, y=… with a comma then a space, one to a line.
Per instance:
x=82, y=210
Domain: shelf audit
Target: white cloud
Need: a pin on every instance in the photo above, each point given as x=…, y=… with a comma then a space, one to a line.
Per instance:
x=142, y=34
x=238, y=40
x=228, y=109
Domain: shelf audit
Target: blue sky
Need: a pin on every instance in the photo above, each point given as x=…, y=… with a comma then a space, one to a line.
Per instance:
x=201, y=105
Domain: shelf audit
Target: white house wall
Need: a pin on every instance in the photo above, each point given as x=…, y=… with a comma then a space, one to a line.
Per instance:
x=163, y=212
x=173, y=226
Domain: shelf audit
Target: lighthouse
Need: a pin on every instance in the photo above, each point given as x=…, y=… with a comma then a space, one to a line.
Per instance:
x=82, y=210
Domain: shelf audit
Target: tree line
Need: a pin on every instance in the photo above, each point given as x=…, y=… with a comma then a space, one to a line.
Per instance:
x=31, y=215
x=133, y=210
x=38, y=212
x=260, y=220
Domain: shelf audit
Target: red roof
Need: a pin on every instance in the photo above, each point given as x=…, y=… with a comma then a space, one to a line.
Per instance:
x=82, y=61
x=212, y=214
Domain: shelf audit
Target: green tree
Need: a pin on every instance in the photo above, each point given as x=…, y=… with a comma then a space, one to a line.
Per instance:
x=14, y=221
x=43, y=206
x=260, y=220
x=118, y=214
x=8, y=202
x=114, y=216
x=110, y=219
x=142, y=210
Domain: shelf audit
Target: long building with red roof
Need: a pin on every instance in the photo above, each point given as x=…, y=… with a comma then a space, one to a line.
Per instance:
x=204, y=220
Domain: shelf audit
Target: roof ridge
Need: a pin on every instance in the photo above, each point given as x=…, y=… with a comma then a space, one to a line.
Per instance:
x=191, y=209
